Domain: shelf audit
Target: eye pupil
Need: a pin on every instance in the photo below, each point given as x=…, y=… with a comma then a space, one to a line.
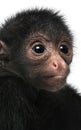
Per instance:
x=64, y=49
x=39, y=49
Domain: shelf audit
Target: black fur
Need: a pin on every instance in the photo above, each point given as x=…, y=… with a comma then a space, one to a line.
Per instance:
x=23, y=107
x=27, y=22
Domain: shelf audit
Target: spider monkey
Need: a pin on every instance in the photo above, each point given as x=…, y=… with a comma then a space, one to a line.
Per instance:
x=36, y=50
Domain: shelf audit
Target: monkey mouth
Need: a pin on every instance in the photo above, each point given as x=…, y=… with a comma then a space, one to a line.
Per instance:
x=55, y=77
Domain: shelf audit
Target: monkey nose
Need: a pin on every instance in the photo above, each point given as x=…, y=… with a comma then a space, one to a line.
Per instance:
x=59, y=67
x=58, y=63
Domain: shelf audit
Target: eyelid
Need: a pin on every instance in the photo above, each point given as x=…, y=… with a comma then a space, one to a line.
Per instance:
x=65, y=42
x=37, y=42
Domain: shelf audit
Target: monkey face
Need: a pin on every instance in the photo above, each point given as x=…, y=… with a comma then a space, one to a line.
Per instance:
x=47, y=62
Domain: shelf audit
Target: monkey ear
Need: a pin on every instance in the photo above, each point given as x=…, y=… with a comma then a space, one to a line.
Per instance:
x=3, y=48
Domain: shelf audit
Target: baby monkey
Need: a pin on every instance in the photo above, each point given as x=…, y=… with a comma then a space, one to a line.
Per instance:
x=36, y=49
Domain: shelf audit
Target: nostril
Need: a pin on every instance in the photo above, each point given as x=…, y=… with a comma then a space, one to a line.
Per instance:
x=55, y=65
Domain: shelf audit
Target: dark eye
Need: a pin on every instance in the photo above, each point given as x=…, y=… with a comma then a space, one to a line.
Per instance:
x=64, y=48
x=39, y=48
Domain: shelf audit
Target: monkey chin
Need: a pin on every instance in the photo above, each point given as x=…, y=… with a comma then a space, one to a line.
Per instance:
x=54, y=84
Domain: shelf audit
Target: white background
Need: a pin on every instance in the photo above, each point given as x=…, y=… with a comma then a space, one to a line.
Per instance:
x=71, y=9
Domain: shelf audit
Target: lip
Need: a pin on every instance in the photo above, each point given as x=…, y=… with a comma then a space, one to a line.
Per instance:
x=59, y=77
x=49, y=76
x=55, y=77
